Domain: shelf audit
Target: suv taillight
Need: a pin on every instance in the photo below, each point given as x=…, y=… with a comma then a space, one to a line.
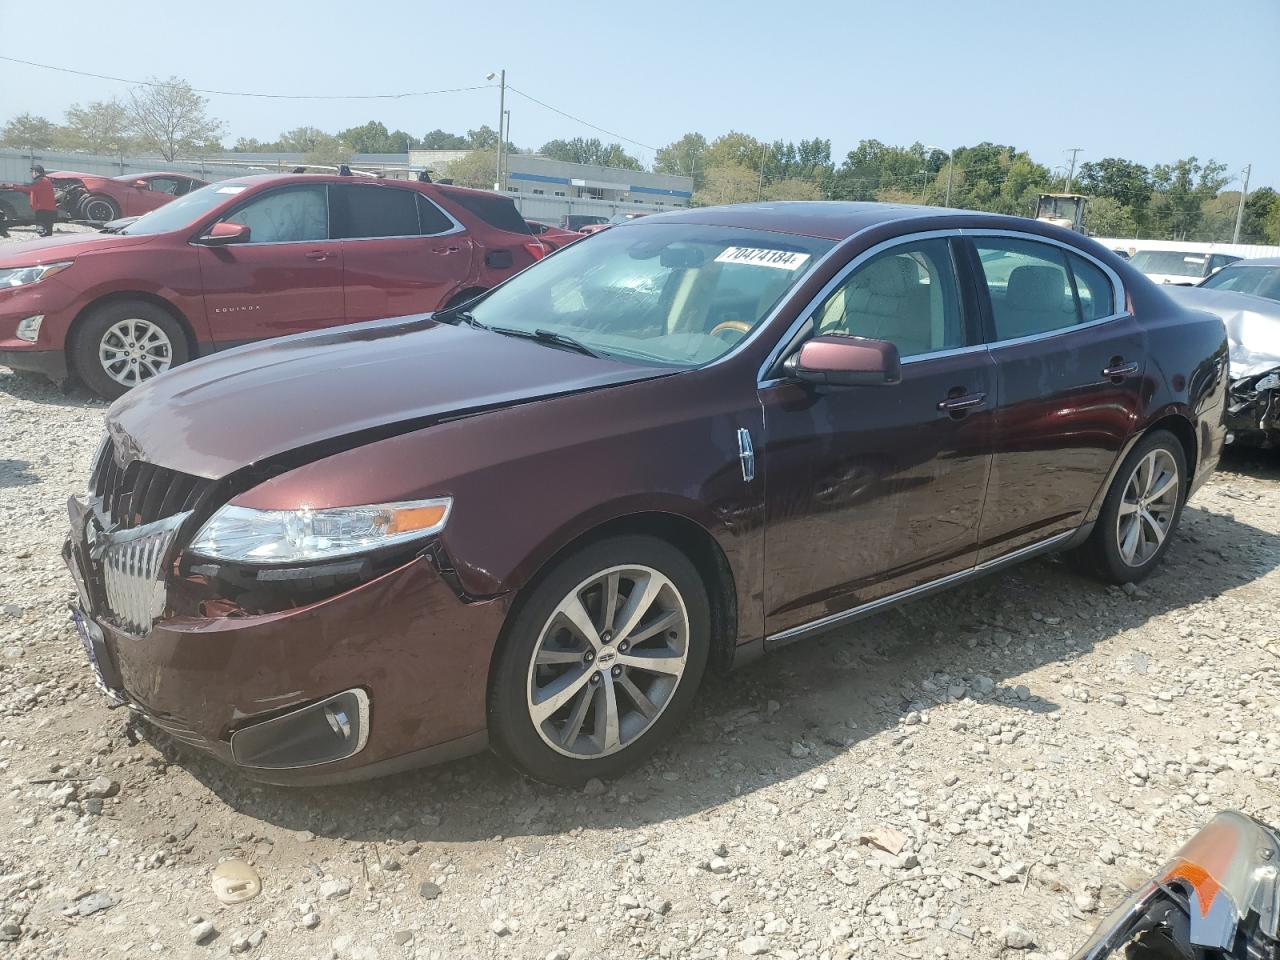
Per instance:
x=536, y=249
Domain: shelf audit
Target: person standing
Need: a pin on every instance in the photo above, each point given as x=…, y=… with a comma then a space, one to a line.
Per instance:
x=43, y=202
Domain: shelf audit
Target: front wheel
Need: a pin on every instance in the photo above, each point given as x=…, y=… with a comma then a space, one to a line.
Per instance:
x=1140, y=514
x=602, y=661
x=99, y=208
x=122, y=344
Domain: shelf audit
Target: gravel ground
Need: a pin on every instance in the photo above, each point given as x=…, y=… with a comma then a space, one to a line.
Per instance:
x=1027, y=747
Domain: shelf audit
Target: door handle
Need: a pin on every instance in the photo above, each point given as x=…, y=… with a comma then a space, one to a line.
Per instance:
x=445, y=249
x=962, y=404
x=316, y=255
x=1118, y=369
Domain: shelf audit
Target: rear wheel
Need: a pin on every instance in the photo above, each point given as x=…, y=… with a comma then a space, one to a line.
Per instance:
x=602, y=662
x=1140, y=514
x=122, y=344
x=98, y=207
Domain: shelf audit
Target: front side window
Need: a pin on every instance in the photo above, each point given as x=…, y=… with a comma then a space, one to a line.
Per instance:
x=163, y=185
x=906, y=295
x=675, y=294
x=1038, y=288
x=292, y=214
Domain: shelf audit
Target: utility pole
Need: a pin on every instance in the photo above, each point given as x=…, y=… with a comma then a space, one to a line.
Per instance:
x=502, y=114
x=1071, y=174
x=760, y=188
x=951, y=165
x=1244, y=192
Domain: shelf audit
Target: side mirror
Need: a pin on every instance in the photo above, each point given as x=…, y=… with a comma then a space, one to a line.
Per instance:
x=222, y=234
x=140, y=184
x=837, y=360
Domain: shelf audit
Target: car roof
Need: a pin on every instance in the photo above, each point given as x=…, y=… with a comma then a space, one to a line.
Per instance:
x=155, y=173
x=1257, y=262
x=829, y=219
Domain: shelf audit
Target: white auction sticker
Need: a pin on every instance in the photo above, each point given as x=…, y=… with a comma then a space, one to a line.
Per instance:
x=763, y=257
x=232, y=189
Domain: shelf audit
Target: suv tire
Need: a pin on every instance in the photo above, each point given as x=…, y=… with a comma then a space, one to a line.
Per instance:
x=126, y=342
x=574, y=693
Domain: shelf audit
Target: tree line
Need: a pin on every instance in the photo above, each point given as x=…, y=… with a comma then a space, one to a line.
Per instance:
x=1185, y=199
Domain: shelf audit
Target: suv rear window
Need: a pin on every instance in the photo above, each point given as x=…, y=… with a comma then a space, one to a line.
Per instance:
x=494, y=210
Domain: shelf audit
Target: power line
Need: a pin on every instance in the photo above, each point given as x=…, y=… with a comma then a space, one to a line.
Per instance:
x=249, y=93
x=585, y=123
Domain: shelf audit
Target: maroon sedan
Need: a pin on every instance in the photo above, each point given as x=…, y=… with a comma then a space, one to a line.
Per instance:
x=535, y=521
x=247, y=259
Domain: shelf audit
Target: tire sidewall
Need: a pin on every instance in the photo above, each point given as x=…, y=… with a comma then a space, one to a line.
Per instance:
x=511, y=729
x=1109, y=544
x=88, y=337
x=93, y=198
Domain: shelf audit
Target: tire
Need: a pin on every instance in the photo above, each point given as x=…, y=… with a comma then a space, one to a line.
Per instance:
x=1114, y=552
x=144, y=338
x=99, y=207
x=540, y=627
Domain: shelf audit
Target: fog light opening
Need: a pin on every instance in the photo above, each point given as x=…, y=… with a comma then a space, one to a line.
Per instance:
x=29, y=328
x=327, y=731
x=338, y=720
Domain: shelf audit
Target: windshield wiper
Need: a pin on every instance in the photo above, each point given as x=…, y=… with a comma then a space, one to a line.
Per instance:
x=548, y=336
x=456, y=314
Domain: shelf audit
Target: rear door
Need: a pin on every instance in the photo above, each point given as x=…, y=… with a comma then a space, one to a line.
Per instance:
x=873, y=490
x=286, y=279
x=1069, y=364
x=401, y=252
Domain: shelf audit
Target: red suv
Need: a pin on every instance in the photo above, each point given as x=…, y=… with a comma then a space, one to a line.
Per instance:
x=247, y=259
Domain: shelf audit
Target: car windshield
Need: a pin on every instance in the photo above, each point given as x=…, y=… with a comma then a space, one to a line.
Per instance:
x=1175, y=263
x=676, y=294
x=1260, y=281
x=184, y=211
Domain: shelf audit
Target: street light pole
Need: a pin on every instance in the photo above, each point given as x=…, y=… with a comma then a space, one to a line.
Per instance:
x=502, y=113
x=951, y=163
x=1244, y=192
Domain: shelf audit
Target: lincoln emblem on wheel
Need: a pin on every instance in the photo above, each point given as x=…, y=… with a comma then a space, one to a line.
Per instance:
x=536, y=518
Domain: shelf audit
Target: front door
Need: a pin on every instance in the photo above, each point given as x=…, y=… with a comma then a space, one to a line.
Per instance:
x=872, y=490
x=401, y=253
x=1069, y=365
x=286, y=279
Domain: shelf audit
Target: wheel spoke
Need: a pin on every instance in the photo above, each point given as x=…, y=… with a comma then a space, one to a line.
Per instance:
x=559, y=692
x=1163, y=485
x=1130, y=537
x=1154, y=526
x=655, y=661
x=573, y=610
x=607, y=711
x=557, y=655
x=638, y=697
x=1126, y=508
x=643, y=593
x=1145, y=470
x=654, y=627
x=573, y=726
x=609, y=600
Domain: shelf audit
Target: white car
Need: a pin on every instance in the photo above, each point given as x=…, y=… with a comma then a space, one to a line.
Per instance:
x=1183, y=267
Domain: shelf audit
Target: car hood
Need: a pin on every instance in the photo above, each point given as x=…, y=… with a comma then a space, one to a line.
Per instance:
x=339, y=387
x=1253, y=326
x=61, y=247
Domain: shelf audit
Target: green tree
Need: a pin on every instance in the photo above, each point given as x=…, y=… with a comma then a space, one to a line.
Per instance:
x=593, y=150
x=793, y=188
x=1108, y=217
x=728, y=183
x=486, y=138
x=873, y=166
x=1261, y=210
x=685, y=157
x=473, y=169
x=170, y=117
x=1129, y=184
x=29, y=131
x=103, y=126
x=1181, y=188
x=440, y=140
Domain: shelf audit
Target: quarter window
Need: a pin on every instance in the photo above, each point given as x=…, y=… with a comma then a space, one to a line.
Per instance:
x=431, y=219
x=1038, y=288
x=906, y=295
x=287, y=215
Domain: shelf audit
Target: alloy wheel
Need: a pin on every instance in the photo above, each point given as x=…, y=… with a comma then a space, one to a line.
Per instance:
x=1148, y=507
x=134, y=350
x=608, y=661
x=95, y=209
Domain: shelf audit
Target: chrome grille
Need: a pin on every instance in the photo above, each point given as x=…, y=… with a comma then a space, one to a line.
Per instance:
x=141, y=493
x=133, y=575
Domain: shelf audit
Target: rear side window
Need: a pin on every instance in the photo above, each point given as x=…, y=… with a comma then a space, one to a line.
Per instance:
x=1038, y=288
x=372, y=211
x=494, y=210
x=431, y=218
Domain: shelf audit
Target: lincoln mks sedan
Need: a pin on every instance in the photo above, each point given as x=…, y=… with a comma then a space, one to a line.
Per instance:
x=536, y=520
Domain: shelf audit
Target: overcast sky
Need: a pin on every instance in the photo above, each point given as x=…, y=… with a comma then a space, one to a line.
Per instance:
x=1150, y=81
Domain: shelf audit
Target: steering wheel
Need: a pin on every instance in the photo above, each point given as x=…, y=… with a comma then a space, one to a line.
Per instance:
x=727, y=325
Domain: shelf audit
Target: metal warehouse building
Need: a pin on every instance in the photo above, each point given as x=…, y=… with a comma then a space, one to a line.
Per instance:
x=550, y=190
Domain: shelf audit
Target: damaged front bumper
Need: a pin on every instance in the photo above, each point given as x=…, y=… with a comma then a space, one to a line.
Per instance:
x=1253, y=409
x=383, y=676
x=1220, y=894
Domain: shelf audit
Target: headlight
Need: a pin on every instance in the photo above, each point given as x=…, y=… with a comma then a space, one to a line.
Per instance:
x=21, y=276
x=246, y=535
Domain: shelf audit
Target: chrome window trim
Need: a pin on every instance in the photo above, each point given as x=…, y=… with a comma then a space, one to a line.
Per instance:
x=862, y=609
x=806, y=314
x=1050, y=334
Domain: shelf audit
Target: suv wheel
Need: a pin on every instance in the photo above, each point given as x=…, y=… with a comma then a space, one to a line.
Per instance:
x=97, y=207
x=601, y=663
x=122, y=344
x=1140, y=514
